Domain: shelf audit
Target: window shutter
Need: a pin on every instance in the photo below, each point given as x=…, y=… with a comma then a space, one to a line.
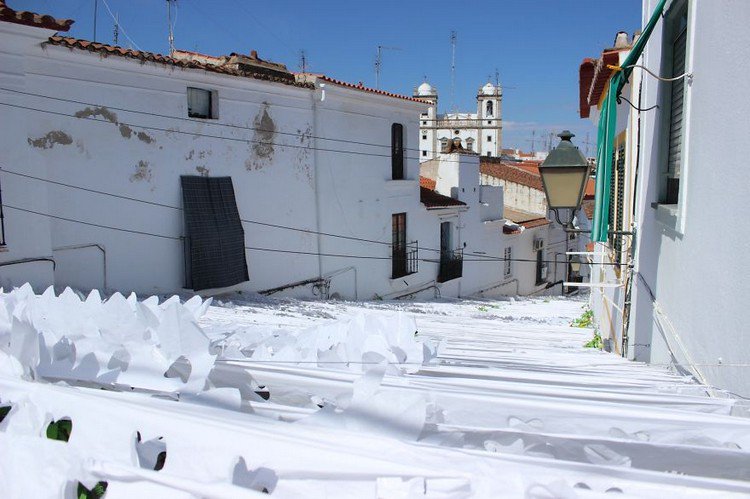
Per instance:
x=677, y=101
x=397, y=151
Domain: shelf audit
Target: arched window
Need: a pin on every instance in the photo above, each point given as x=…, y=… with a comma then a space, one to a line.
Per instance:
x=490, y=108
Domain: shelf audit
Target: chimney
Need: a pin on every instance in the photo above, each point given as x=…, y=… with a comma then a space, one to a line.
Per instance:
x=621, y=40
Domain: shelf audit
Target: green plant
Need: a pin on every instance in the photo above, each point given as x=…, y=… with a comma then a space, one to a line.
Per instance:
x=60, y=430
x=595, y=342
x=96, y=492
x=585, y=320
x=482, y=308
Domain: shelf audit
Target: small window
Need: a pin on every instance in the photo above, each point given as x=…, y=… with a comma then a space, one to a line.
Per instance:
x=424, y=122
x=456, y=132
x=676, y=46
x=470, y=144
x=508, y=265
x=424, y=153
x=489, y=154
x=424, y=115
x=489, y=138
x=397, y=151
x=490, y=108
x=489, y=122
x=424, y=137
x=200, y=103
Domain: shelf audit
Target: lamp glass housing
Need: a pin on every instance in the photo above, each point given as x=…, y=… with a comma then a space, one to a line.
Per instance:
x=564, y=186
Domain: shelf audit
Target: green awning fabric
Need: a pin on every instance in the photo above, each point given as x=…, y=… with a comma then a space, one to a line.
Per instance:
x=607, y=124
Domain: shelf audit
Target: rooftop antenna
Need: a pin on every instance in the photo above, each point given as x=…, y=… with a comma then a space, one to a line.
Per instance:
x=302, y=61
x=379, y=62
x=169, y=21
x=454, y=39
x=497, y=78
x=533, y=141
x=116, y=29
x=96, y=7
x=587, y=143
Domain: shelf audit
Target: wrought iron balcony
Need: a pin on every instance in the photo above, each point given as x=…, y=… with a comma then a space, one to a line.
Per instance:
x=451, y=265
x=405, y=259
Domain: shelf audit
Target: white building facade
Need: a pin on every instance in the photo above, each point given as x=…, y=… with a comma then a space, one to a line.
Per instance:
x=133, y=171
x=687, y=298
x=481, y=132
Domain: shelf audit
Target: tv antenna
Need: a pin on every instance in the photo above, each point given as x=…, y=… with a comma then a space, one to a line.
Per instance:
x=587, y=143
x=454, y=39
x=533, y=141
x=379, y=62
x=170, y=25
x=116, y=29
x=302, y=61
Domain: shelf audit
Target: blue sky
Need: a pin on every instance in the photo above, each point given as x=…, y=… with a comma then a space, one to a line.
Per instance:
x=535, y=45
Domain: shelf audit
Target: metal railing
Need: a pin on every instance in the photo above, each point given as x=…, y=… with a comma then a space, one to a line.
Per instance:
x=451, y=265
x=405, y=259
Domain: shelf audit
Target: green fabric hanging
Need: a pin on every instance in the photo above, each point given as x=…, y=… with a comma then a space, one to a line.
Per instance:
x=606, y=133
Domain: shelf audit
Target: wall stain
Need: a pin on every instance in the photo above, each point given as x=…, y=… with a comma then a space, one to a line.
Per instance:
x=190, y=155
x=202, y=170
x=303, y=154
x=263, y=147
x=142, y=172
x=144, y=137
x=93, y=112
x=125, y=130
x=49, y=140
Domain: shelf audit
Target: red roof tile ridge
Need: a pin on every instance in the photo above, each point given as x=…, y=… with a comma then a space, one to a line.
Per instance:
x=103, y=48
x=27, y=18
x=361, y=86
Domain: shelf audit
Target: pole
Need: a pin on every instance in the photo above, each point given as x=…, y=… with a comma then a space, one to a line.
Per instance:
x=96, y=6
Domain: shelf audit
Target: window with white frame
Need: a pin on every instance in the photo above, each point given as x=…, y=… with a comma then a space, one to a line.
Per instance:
x=201, y=103
x=508, y=264
x=675, y=63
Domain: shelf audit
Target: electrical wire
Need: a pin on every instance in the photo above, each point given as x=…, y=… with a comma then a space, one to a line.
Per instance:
x=621, y=98
x=117, y=22
x=227, y=125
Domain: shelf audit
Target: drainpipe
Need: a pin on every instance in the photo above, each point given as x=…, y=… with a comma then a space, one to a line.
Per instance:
x=316, y=169
x=91, y=245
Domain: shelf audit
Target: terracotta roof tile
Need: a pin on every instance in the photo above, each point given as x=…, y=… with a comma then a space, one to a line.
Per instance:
x=537, y=222
x=33, y=19
x=259, y=73
x=427, y=183
x=503, y=170
x=360, y=86
x=585, y=77
x=434, y=200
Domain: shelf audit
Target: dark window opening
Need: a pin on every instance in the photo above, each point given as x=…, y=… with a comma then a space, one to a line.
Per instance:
x=214, y=237
x=397, y=151
x=489, y=138
x=489, y=108
x=541, y=268
x=200, y=103
x=424, y=153
x=451, y=261
x=2, y=220
x=405, y=256
x=508, y=263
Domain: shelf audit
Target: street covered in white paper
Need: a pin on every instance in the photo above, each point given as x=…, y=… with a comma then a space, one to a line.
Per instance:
x=337, y=399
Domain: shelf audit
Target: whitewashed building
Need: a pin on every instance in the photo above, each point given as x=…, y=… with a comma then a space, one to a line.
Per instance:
x=686, y=291
x=132, y=171
x=481, y=132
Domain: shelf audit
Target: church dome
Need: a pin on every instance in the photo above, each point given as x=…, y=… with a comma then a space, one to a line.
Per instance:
x=426, y=89
x=489, y=89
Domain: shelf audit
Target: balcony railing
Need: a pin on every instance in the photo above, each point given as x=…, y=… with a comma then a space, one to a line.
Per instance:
x=451, y=265
x=405, y=259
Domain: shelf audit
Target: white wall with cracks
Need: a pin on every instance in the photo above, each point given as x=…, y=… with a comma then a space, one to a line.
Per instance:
x=315, y=157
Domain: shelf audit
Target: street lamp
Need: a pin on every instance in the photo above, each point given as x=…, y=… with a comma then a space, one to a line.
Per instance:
x=565, y=174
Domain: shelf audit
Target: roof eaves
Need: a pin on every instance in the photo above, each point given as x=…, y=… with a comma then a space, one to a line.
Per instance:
x=33, y=19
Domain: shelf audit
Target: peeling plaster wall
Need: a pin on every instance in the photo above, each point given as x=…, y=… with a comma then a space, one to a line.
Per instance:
x=27, y=235
x=105, y=147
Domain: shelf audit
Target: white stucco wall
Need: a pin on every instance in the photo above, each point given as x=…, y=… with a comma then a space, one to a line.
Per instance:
x=297, y=179
x=692, y=261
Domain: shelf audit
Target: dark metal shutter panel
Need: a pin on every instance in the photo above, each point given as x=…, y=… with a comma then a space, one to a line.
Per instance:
x=677, y=104
x=397, y=151
x=215, y=237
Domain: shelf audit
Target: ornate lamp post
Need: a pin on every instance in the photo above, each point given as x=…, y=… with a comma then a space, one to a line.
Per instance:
x=564, y=174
